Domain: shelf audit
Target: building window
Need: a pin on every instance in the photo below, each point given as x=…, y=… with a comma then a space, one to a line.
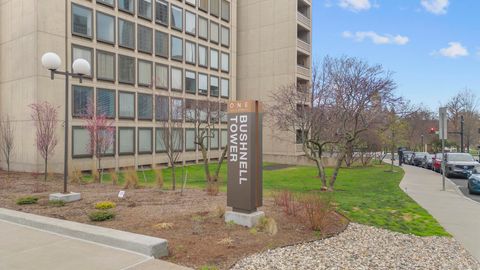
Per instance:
x=177, y=139
x=213, y=86
x=161, y=76
x=190, y=135
x=126, y=141
x=202, y=110
x=177, y=48
x=144, y=73
x=202, y=56
x=225, y=10
x=190, y=23
x=105, y=66
x=161, y=12
x=161, y=44
x=225, y=36
x=223, y=138
x=225, y=62
x=190, y=82
x=160, y=140
x=214, y=8
x=126, y=5
x=190, y=52
x=80, y=142
x=145, y=9
x=145, y=107
x=203, y=5
x=225, y=85
x=177, y=109
x=84, y=53
x=161, y=108
x=214, y=112
x=82, y=21
x=191, y=2
x=126, y=105
x=145, y=39
x=177, y=78
x=126, y=69
x=202, y=28
x=202, y=84
x=145, y=140
x=214, y=139
x=105, y=28
x=126, y=34
x=107, y=2
x=190, y=110
x=177, y=18
x=213, y=59
x=106, y=102
x=82, y=100
x=214, y=32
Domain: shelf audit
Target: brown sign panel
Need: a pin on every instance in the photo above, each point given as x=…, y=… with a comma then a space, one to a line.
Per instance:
x=245, y=176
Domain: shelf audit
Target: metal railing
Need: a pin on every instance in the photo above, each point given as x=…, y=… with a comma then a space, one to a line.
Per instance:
x=304, y=45
x=304, y=20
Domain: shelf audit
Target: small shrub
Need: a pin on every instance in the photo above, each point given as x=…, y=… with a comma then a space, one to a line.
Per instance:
x=267, y=225
x=27, y=200
x=220, y=211
x=101, y=215
x=131, y=178
x=212, y=187
x=286, y=200
x=158, y=177
x=105, y=205
x=56, y=203
x=208, y=267
x=164, y=226
x=253, y=231
x=76, y=176
x=113, y=176
x=316, y=210
x=226, y=242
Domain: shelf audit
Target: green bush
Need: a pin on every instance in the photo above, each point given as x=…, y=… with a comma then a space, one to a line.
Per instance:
x=101, y=215
x=27, y=200
x=56, y=203
x=105, y=205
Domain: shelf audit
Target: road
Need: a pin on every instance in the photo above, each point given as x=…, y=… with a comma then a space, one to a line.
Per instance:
x=462, y=185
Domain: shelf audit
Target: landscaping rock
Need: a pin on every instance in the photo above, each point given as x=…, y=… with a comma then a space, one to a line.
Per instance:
x=365, y=247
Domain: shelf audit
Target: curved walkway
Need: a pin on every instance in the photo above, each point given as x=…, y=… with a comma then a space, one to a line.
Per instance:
x=459, y=215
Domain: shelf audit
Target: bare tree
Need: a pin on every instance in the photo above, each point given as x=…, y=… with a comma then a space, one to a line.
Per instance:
x=102, y=134
x=45, y=118
x=469, y=103
x=205, y=117
x=6, y=140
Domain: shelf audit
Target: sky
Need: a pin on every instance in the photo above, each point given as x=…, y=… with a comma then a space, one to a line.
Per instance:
x=431, y=46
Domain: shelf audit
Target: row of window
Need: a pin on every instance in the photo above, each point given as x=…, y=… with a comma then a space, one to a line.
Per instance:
x=82, y=22
x=144, y=142
x=147, y=107
x=154, y=74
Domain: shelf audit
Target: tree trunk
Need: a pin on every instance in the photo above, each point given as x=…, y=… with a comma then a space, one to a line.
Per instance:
x=45, y=170
x=174, y=180
x=205, y=163
x=321, y=173
x=220, y=162
x=100, y=170
x=333, y=178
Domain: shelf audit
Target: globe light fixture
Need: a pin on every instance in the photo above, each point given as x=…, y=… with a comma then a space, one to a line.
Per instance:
x=51, y=61
x=81, y=67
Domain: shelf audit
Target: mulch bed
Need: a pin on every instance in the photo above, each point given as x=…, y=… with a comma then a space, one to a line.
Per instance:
x=198, y=236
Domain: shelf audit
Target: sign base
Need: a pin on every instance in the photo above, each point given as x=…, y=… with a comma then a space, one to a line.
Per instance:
x=68, y=197
x=243, y=219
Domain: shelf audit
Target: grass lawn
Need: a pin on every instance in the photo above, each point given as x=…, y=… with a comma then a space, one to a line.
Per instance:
x=365, y=195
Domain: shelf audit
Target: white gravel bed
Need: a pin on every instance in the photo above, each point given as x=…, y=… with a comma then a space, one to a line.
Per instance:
x=365, y=247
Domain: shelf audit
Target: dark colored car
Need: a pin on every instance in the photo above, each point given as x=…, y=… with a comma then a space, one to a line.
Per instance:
x=428, y=161
x=406, y=156
x=418, y=157
x=437, y=162
x=474, y=182
x=460, y=164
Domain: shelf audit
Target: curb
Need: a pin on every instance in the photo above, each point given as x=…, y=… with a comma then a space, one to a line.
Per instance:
x=142, y=244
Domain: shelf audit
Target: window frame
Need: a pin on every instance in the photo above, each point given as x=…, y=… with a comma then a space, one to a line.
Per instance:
x=92, y=55
x=138, y=73
x=172, y=24
x=160, y=129
x=167, y=116
x=102, y=2
x=172, y=37
x=134, y=34
x=114, y=66
x=134, y=71
x=221, y=62
x=204, y=9
x=171, y=79
x=229, y=11
x=120, y=153
x=167, y=54
x=91, y=22
x=210, y=131
x=222, y=130
x=195, y=78
x=114, y=28
x=151, y=140
x=218, y=8
x=168, y=76
x=191, y=4
x=221, y=36
x=198, y=83
x=207, y=55
x=171, y=109
x=142, y=16
x=218, y=59
x=139, y=49
x=194, y=33
x=99, y=89
x=221, y=87
x=187, y=149
x=125, y=10
x=74, y=156
x=208, y=28
x=218, y=86
x=91, y=89
x=194, y=52
x=182, y=138
x=212, y=23
x=141, y=118
x=168, y=13
x=120, y=117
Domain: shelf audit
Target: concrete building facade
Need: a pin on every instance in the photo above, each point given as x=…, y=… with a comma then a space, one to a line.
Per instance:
x=147, y=57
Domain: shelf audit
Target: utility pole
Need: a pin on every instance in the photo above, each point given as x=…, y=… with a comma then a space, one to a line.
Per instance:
x=462, y=121
x=423, y=146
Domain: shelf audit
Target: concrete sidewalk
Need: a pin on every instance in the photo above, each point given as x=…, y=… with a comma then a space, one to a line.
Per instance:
x=25, y=248
x=459, y=215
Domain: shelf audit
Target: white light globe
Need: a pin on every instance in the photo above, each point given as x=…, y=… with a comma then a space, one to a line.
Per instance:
x=81, y=67
x=51, y=61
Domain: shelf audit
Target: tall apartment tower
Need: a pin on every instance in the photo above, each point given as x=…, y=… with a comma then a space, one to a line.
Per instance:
x=274, y=50
x=148, y=57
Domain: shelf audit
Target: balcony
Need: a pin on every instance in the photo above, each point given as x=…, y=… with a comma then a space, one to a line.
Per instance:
x=304, y=46
x=303, y=71
x=304, y=20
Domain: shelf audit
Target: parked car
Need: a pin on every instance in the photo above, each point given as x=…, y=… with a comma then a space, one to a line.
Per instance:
x=437, y=162
x=460, y=164
x=418, y=157
x=407, y=157
x=474, y=182
x=428, y=161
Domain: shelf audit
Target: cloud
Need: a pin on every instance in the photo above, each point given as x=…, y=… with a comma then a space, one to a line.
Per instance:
x=437, y=7
x=376, y=38
x=355, y=5
x=454, y=50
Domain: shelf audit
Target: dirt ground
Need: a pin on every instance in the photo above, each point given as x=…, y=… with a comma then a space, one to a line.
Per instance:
x=196, y=234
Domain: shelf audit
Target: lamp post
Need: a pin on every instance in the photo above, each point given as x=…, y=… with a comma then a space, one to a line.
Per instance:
x=423, y=146
x=80, y=68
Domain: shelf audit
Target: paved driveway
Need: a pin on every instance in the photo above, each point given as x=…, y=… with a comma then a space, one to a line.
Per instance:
x=25, y=248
